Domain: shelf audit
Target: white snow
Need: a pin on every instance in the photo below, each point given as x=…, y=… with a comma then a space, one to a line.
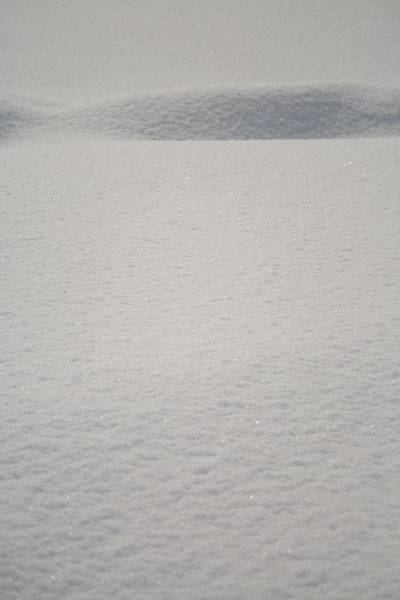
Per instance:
x=100, y=50
x=299, y=112
x=200, y=339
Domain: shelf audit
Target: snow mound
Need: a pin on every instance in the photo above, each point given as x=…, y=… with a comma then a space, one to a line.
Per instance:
x=21, y=118
x=14, y=120
x=302, y=112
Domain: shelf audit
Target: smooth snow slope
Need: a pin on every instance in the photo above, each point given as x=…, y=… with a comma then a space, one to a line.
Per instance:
x=96, y=49
x=278, y=113
x=200, y=370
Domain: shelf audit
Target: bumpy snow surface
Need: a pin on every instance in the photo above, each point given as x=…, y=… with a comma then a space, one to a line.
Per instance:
x=199, y=300
x=225, y=114
x=200, y=360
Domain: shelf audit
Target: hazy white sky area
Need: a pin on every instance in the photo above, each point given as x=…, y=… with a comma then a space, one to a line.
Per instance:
x=96, y=49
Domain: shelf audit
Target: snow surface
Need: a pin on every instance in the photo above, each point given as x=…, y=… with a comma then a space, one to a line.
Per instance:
x=100, y=50
x=200, y=340
x=200, y=367
x=220, y=114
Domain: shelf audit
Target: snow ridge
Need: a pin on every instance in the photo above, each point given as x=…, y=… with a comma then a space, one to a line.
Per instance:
x=301, y=112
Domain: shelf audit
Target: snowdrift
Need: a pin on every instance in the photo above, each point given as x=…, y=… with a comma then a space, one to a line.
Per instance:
x=16, y=120
x=302, y=112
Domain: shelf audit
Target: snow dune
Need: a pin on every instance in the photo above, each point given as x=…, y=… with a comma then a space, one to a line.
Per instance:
x=295, y=112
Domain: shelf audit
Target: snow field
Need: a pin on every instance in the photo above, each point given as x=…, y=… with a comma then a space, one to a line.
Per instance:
x=199, y=357
x=200, y=370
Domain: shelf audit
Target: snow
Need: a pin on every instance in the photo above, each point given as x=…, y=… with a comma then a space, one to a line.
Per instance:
x=101, y=50
x=220, y=114
x=200, y=339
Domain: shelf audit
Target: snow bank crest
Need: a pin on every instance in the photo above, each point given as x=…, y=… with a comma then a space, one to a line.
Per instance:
x=302, y=112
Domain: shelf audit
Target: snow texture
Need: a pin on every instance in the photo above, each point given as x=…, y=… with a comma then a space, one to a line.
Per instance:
x=200, y=340
x=200, y=370
x=224, y=114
